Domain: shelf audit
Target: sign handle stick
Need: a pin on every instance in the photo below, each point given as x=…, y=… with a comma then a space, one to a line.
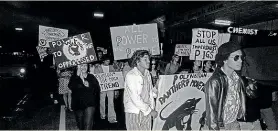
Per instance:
x=181, y=60
x=202, y=65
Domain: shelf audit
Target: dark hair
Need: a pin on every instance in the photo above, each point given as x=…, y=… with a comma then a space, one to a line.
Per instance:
x=156, y=64
x=105, y=57
x=99, y=51
x=136, y=57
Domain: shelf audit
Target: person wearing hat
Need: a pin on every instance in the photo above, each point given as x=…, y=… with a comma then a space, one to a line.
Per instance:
x=225, y=91
x=106, y=68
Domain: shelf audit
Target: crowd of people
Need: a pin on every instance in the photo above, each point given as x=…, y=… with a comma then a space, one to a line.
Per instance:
x=231, y=99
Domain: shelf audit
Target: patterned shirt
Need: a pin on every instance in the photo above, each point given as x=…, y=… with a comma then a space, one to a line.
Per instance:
x=232, y=104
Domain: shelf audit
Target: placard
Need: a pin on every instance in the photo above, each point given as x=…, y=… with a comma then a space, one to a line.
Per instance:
x=182, y=49
x=42, y=52
x=110, y=81
x=204, y=44
x=181, y=101
x=127, y=39
x=48, y=34
x=73, y=51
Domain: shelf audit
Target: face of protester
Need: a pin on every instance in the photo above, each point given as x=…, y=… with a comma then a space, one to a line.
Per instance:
x=176, y=58
x=197, y=63
x=106, y=62
x=144, y=62
x=208, y=64
x=83, y=68
x=153, y=64
x=99, y=55
x=234, y=61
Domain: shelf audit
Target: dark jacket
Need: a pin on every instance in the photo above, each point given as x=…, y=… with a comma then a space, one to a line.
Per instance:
x=216, y=92
x=82, y=96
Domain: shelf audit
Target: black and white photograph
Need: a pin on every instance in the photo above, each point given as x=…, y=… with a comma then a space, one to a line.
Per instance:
x=139, y=65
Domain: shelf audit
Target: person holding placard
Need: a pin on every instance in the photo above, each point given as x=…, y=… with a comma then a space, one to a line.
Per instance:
x=173, y=66
x=139, y=93
x=85, y=90
x=225, y=91
x=106, y=68
x=196, y=67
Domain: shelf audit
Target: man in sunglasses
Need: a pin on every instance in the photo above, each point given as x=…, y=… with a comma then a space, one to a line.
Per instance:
x=225, y=91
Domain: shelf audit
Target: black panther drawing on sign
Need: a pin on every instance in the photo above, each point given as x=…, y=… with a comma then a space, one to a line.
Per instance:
x=176, y=118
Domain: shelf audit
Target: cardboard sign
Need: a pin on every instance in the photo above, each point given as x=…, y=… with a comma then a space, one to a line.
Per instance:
x=73, y=51
x=127, y=39
x=204, y=44
x=110, y=81
x=42, y=52
x=182, y=49
x=181, y=101
x=48, y=34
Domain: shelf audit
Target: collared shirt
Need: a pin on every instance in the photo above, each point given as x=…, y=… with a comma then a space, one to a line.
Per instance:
x=232, y=105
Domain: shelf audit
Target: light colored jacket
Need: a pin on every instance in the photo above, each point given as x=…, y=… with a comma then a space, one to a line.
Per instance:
x=133, y=102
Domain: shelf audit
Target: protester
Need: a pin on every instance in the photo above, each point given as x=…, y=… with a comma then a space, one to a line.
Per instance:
x=139, y=93
x=99, y=55
x=64, y=77
x=225, y=91
x=126, y=69
x=173, y=66
x=196, y=67
x=154, y=72
x=117, y=66
x=49, y=74
x=85, y=89
x=207, y=67
x=106, y=68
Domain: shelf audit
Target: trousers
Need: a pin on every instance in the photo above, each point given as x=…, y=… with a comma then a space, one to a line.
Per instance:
x=268, y=116
x=85, y=118
x=138, y=121
x=111, y=109
x=256, y=125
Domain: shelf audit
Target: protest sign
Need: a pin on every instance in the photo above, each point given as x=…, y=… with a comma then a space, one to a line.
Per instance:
x=73, y=51
x=181, y=101
x=48, y=34
x=204, y=44
x=42, y=52
x=110, y=81
x=127, y=39
x=182, y=49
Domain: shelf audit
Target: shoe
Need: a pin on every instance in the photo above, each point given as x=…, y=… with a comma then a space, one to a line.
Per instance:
x=70, y=109
x=102, y=117
x=113, y=121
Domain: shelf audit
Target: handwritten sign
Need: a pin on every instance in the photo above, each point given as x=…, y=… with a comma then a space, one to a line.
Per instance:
x=73, y=51
x=204, y=44
x=42, y=52
x=182, y=49
x=110, y=81
x=127, y=39
x=48, y=34
x=181, y=101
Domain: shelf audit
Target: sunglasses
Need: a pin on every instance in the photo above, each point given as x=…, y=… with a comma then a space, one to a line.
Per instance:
x=236, y=58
